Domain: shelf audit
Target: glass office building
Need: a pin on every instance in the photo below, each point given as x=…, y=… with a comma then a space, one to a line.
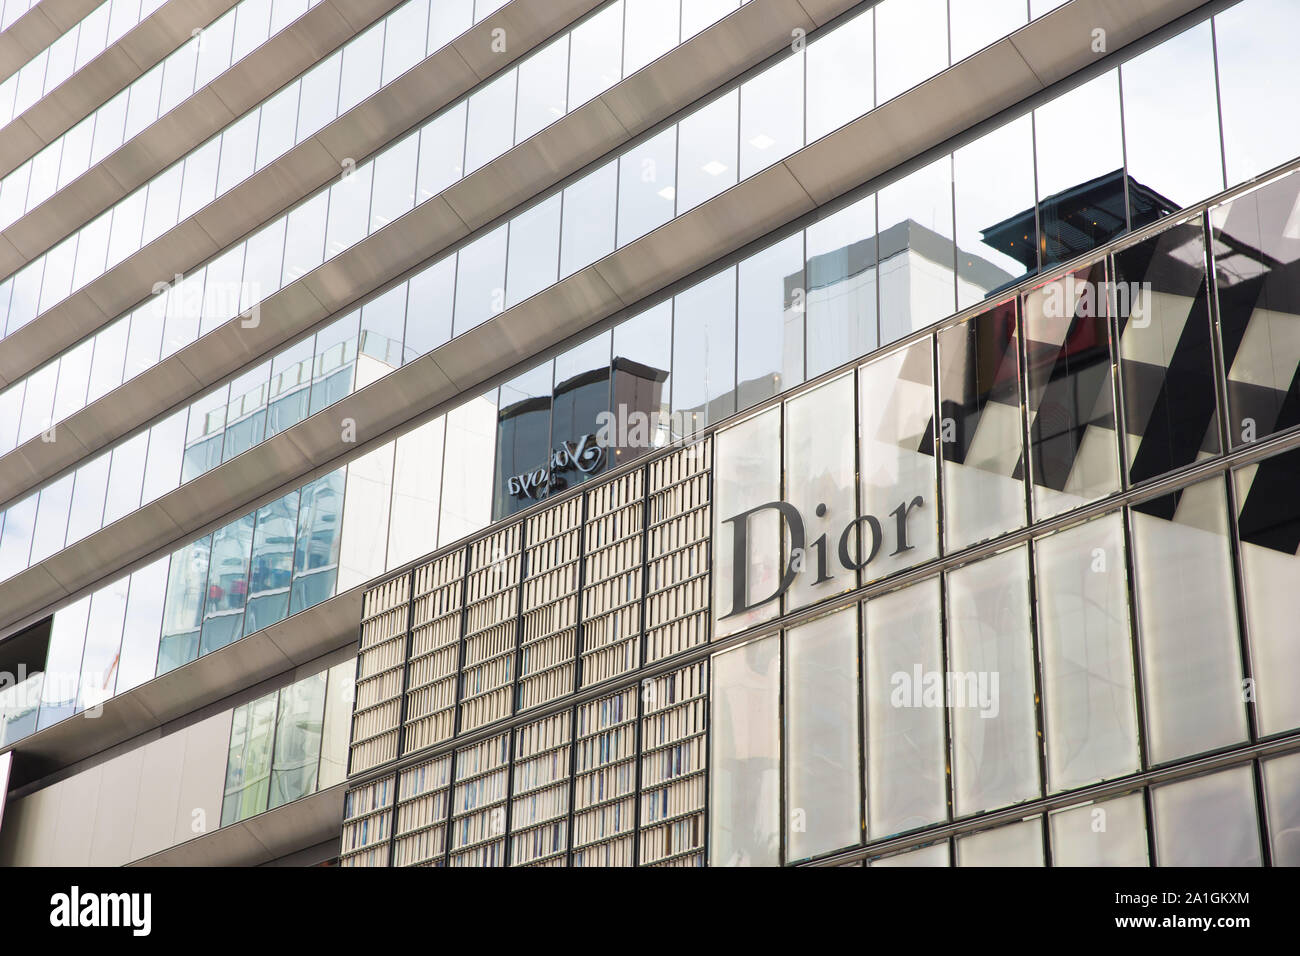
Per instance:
x=650, y=432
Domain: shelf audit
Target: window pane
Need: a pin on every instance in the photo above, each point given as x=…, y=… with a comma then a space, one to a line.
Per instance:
x=316, y=553
x=595, y=55
x=417, y=483
x=978, y=23
x=1166, y=359
x=745, y=780
x=63, y=663
x=1016, y=844
x=248, y=765
x=523, y=433
x=205, y=433
x=1207, y=821
x=1187, y=623
x=289, y=388
x=581, y=399
x=913, y=43
x=466, y=473
x=819, y=470
x=271, y=567
x=1257, y=84
x=166, y=447
x=109, y=357
x=1080, y=191
x=183, y=607
x=1282, y=794
x=223, y=615
x=144, y=609
x=1089, y=708
x=86, y=514
x=642, y=363
x=298, y=740
x=442, y=151
x=363, y=63
x=52, y=506
x=821, y=735
x=704, y=352
x=706, y=148
x=841, y=277
x=997, y=235
x=1268, y=522
x=429, y=303
x=334, y=361
x=1109, y=833
x=1257, y=265
x=304, y=247
x=770, y=328
x=840, y=84
x=990, y=655
x=897, y=466
x=246, y=416
x=349, y=215
x=650, y=30
x=771, y=115
x=980, y=427
x=589, y=206
x=491, y=121
x=916, y=251
x=365, y=517
x=906, y=752
x=238, y=152
x=543, y=82
x=103, y=645
x=934, y=855
x=380, y=348
x=647, y=185
x=480, y=280
x=747, y=559
x=1073, y=457
x=1171, y=125
x=534, y=250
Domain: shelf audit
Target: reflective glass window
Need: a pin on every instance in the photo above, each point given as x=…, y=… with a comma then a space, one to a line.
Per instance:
x=304, y=245
x=769, y=328
x=204, y=434
x=647, y=185
x=442, y=152
x=642, y=364
x=588, y=227
x=980, y=427
x=248, y=764
x=841, y=294
x=650, y=29
x=840, y=77
x=63, y=663
x=534, y=250
x=246, y=416
x=1207, y=821
x=429, y=303
x=187, y=582
x=349, y=215
x=704, y=352
x=1015, y=844
x=706, y=151
x=86, y=514
x=271, y=566
x=1187, y=622
x=289, y=387
x=103, y=644
x=582, y=398
x=144, y=609
x=299, y=724
x=823, y=778
x=913, y=43
x=523, y=435
x=491, y=129
x=380, y=347
x=335, y=361
x=364, y=535
x=543, y=85
x=916, y=250
x=166, y=448
x=53, y=502
x=991, y=688
x=316, y=553
x=1107, y=833
x=480, y=280
x=1282, y=794
x=745, y=739
x=125, y=478
x=227, y=590
x=595, y=54
x=977, y=23
x=467, y=471
x=417, y=487
x=771, y=115
x=363, y=63
x=1072, y=455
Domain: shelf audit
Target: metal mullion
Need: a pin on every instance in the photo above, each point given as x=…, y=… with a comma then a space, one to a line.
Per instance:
x=860, y=623
x=1135, y=639
x=941, y=552
x=1262, y=829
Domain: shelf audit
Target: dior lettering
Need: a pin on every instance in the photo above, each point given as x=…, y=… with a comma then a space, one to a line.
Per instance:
x=857, y=545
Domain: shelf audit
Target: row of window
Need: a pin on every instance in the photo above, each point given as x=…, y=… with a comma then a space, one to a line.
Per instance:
x=191, y=66
x=91, y=36
x=419, y=165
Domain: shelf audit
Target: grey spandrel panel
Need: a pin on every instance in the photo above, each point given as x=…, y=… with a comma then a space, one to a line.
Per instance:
x=1107, y=833
x=977, y=23
x=430, y=300
x=707, y=151
x=590, y=207
x=745, y=759
x=770, y=323
x=647, y=186
x=916, y=250
x=442, y=152
x=1258, y=85
x=140, y=632
x=1207, y=821
x=534, y=250
x=704, y=352
x=840, y=75
x=1171, y=125
x=650, y=29
x=772, y=115
x=996, y=228
x=841, y=277
x=543, y=89
x=912, y=44
x=595, y=54
x=1081, y=192
x=480, y=280
x=491, y=123
x=1187, y=623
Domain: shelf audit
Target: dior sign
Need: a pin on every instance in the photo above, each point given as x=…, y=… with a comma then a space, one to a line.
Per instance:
x=584, y=455
x=851, y=555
